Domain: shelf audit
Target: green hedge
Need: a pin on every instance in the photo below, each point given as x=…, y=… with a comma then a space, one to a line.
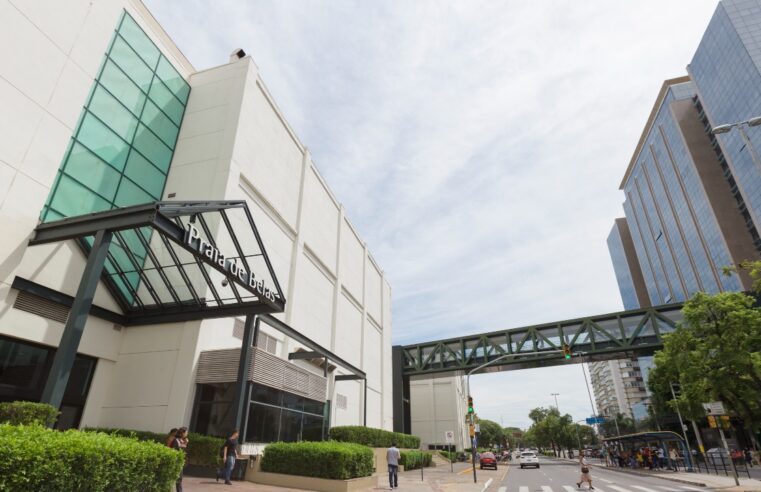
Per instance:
x=411, y=460
x=450, y=455
x=375, y=438
x=41, y=459
x=328, y=459
x=28, y=413
x=202, y=450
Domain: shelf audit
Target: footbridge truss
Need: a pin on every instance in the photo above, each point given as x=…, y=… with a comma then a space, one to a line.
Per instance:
x=607, y=336
x=628, y=331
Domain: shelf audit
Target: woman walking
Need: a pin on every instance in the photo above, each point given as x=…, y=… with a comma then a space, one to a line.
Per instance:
x=180, y=443
x=585, y=475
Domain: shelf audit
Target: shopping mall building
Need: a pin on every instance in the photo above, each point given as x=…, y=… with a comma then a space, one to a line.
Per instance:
x=170, y=254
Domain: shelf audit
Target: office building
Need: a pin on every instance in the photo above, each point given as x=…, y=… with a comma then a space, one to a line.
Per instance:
x=618, y=386
x=103, y=113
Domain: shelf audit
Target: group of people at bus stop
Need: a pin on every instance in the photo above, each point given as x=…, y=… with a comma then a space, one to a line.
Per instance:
x=651, y=457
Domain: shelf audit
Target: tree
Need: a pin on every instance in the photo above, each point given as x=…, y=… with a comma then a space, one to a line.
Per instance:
x=714, y=354
x=626, y=425
x=491, y=433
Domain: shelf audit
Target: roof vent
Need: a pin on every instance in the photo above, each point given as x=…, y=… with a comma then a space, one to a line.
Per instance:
x=237, y=55
x=41, y=307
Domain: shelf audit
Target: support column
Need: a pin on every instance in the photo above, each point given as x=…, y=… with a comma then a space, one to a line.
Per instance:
x=242, y=384
x=397, y=384
x=63, y=361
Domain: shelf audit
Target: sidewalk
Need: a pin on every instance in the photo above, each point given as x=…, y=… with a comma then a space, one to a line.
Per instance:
x=435, y=479
x=696, y=479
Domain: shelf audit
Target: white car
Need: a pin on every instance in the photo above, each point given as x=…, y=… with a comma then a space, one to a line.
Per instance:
x=528, y=458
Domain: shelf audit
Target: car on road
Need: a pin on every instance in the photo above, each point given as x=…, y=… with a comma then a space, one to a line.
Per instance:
x=488, y=460
x=528, y=458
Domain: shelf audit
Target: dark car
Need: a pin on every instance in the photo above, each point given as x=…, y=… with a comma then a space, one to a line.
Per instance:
x=488, y=460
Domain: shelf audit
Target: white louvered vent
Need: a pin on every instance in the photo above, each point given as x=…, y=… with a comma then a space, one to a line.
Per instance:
x=41, y=307
x=341, y=401
x=238, y=328
x=267, y=343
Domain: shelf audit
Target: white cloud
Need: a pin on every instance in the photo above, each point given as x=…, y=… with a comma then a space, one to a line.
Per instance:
x=477, y=146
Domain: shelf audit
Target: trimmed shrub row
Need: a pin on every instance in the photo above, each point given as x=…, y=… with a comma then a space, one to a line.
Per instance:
x=28, y=413
x=411, y=460
x=41, y=459
x=328, y=459
x=202, y=450
x=375, y=438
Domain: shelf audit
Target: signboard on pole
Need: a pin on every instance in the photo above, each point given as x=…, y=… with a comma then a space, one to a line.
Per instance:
x=714, y=408
x=595, y=420
x=449, y=437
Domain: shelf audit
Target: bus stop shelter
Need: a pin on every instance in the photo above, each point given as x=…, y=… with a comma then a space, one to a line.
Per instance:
x=661, y=439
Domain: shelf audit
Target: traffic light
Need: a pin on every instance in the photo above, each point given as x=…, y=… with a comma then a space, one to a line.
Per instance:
x=712, y=422
x=470, y=405
x=725, y=423
x=566, y=351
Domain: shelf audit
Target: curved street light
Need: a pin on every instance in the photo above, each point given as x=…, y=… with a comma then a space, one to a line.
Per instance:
x=750, y=122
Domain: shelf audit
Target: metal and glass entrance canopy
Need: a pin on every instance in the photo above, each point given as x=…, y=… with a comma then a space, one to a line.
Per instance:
x=174, y=261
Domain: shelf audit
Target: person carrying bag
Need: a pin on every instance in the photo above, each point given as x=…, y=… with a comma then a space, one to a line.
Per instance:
x=585, y=475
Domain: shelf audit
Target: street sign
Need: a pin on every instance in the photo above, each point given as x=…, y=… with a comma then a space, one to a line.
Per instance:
x=449, y=437
x=714, y=408
x=595, y=420
x=478, y=428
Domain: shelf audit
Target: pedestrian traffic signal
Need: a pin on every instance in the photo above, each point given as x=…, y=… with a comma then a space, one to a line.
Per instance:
x=566, y=351
x=470, y=405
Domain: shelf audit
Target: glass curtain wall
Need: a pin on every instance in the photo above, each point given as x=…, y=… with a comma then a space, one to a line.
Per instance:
x=274, y=415
x=123, y=144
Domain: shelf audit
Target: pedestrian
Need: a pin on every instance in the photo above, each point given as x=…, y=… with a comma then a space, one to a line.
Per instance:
x=229, y=455
x=170, y=437
x=585, y=474
x=180, y=443
x=392, y=458
x=748, y=457
x=661, y=457
x=673, y=457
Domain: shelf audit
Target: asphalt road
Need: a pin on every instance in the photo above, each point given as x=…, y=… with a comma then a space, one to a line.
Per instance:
x=561, y=476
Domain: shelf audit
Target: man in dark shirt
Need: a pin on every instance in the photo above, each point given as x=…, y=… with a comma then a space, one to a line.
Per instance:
x=229, y=454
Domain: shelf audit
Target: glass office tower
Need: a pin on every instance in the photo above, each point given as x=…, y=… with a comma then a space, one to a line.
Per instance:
x=726, y=70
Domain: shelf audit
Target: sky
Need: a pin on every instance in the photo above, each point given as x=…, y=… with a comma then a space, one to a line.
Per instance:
x=476, y=146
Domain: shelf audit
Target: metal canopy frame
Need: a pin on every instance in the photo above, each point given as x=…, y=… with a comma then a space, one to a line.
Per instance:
x=596, y=337
x=155, y=274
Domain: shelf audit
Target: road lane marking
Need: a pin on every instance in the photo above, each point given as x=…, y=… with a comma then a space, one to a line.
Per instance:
x=644, y=488
x=570, y=489
x=620, y=489
x=604, y=480
x=689, y=488
x=502, y=489
x=546, y=488
x=523, y=488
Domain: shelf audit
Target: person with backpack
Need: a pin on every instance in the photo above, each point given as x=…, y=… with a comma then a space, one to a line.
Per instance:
x=229, y=453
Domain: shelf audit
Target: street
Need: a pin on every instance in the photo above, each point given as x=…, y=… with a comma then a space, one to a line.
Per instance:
x=561, y=476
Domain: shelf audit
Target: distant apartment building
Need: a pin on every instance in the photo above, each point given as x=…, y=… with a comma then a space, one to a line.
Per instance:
x=618, y=386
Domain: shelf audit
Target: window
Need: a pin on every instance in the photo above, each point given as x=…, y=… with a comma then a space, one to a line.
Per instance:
x=24, y=369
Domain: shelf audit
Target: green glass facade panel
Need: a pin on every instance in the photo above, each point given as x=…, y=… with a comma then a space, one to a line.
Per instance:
x=126, y=134
x=173, y=80
x=160, y=124
x=141, y=171
x=140, y=42
x=72, y=198
x=148, y=144
x=131, y=194
x=106, y=144
x=89, y=170
x=122, y=87
x=164, y=99
x=134, y=66
x=112, y=113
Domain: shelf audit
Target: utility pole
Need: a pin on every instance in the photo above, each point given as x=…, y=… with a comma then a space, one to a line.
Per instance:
x=684, y=428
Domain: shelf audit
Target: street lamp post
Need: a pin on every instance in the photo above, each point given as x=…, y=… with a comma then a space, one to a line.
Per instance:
x=467, y=384
x=740, y=125
x=556, y=401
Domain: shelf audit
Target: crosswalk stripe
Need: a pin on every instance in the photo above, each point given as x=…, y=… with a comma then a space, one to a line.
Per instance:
x=523, y=488
x=644, y=488
x=502, y=489
x=546, y=488
x=569, y=488
x=689, y=488
x=620, y=489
